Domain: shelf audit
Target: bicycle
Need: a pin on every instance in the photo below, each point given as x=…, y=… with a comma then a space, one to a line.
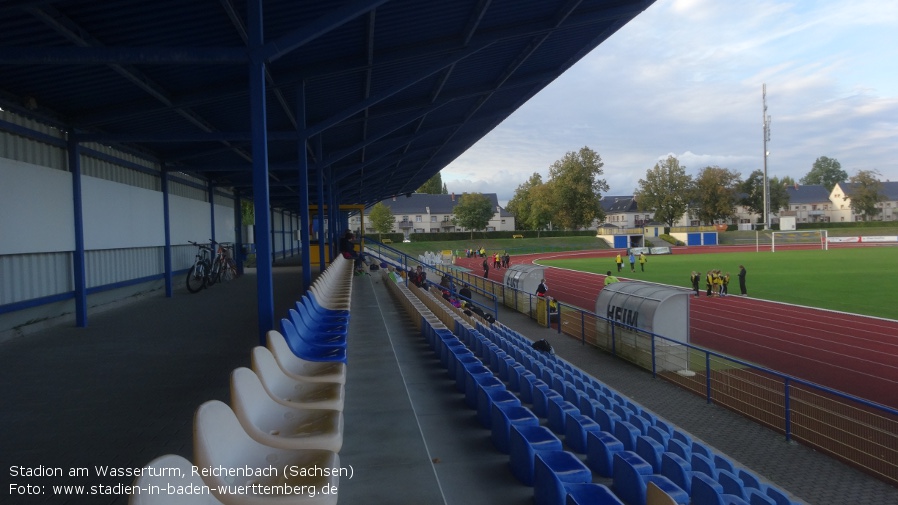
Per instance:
x=198, y=275
x=223, y=266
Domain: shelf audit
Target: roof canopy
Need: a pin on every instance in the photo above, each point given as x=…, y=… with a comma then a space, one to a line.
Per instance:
x=383, y=93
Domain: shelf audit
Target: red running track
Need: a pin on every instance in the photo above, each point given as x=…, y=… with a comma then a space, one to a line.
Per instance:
x=854, y=354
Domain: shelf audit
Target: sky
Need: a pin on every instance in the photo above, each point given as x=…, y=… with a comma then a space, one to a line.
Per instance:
x=685, y=77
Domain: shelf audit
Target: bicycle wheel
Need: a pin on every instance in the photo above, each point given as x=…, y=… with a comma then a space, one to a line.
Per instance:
x=229, y=271
x=214, y=273
x=196, y=277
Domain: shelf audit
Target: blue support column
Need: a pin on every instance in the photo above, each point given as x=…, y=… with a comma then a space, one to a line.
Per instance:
x=238, y=231
x=322, y=236
x=305, y=221
x=78, y=264
x=212, y=213
x=283, y=235
x=166, y=224
x=264, y=284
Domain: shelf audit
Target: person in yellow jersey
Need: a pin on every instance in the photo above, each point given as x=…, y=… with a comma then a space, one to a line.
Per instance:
x=610, y=279
x=619, y=261
x=642, y=261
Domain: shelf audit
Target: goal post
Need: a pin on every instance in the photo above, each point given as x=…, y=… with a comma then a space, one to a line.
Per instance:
x=803, y=238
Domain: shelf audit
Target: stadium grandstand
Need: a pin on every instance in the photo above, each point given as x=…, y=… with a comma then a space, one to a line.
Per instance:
x=133, y=134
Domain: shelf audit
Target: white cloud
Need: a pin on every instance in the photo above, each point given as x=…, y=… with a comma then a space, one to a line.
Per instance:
x=685, y=77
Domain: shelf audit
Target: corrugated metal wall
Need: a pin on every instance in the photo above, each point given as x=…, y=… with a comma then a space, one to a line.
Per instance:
x=19, y=148
x=25, y=277
x=28, y=276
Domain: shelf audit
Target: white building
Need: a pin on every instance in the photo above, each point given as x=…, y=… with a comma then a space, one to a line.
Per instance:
x=425, y=213
x=841, y=211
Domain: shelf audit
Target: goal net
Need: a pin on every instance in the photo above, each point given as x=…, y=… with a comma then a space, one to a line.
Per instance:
x=805, y=239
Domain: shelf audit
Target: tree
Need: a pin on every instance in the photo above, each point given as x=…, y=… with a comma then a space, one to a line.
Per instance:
x=433, y=186
x=714, y=192
x=752, y=193
x=381, y=218
x=866, y=193
x=576, y=189
x=473, y=212
x=825, y=171
x=521, y=203
x=665, y=191
x=445, y=190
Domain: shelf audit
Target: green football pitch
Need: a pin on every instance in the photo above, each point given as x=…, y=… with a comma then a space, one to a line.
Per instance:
x=856, y=280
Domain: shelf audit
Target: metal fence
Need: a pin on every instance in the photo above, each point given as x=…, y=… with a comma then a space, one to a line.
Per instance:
x=855, y=431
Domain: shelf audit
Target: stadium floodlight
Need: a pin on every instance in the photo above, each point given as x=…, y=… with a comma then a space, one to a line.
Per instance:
x=799, y=238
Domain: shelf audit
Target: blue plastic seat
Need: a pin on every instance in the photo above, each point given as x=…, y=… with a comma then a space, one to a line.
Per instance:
x=324, y=339
x=541, y=397
x=557, y=411
x=707, y=491
x=552, y=470
x=575, y=429
x=321, y=309
x=678, y=470
x=601, y=447
x=524, y=442
x=606, y=419
x=308, y=351
x=631, y=476
x=476, y=377
x=650, y=450
x=626, y=433
x=320, y=323
x=680, y=449
x=503, y=417
x=702, y=464
x=660, y=435
x=487, y=396
x=323, y=316
x=590, y=494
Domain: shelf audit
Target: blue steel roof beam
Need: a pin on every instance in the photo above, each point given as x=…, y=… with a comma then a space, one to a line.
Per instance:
x=467, y=34
x=364, y=104
x=343, y=153
x=81, y=37
x=328, y=68
x=562, y=15
x=237, y=21
x=367, y=91
x=274, y=49
x=17, y=55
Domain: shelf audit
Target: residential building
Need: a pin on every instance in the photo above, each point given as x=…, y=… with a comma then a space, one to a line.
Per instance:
x=425, y=213
x=623, y=212
x=841, y=203
x=810, y=203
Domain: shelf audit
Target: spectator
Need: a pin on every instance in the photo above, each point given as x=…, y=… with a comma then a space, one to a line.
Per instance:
x=610, y=279
x=420, y=277
x=542, y=288
x=465, y=294
x=486, y=269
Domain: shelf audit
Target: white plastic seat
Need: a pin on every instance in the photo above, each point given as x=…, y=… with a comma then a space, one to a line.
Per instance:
x=251, y=468
x=172, y=483
x=330, y=300
x=271, y=423
x=300, y=369
x=291, y=392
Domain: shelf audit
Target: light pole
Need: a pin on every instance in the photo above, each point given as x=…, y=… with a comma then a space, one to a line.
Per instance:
x=766, y=118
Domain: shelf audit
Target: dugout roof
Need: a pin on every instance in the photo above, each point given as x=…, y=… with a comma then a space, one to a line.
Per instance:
x=394, y=90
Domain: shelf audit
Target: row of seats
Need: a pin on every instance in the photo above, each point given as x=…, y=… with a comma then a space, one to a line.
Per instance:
x=646, y=457
x=286, y=413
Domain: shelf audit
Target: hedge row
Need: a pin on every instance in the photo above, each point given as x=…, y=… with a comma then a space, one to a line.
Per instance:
x=484, y=235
